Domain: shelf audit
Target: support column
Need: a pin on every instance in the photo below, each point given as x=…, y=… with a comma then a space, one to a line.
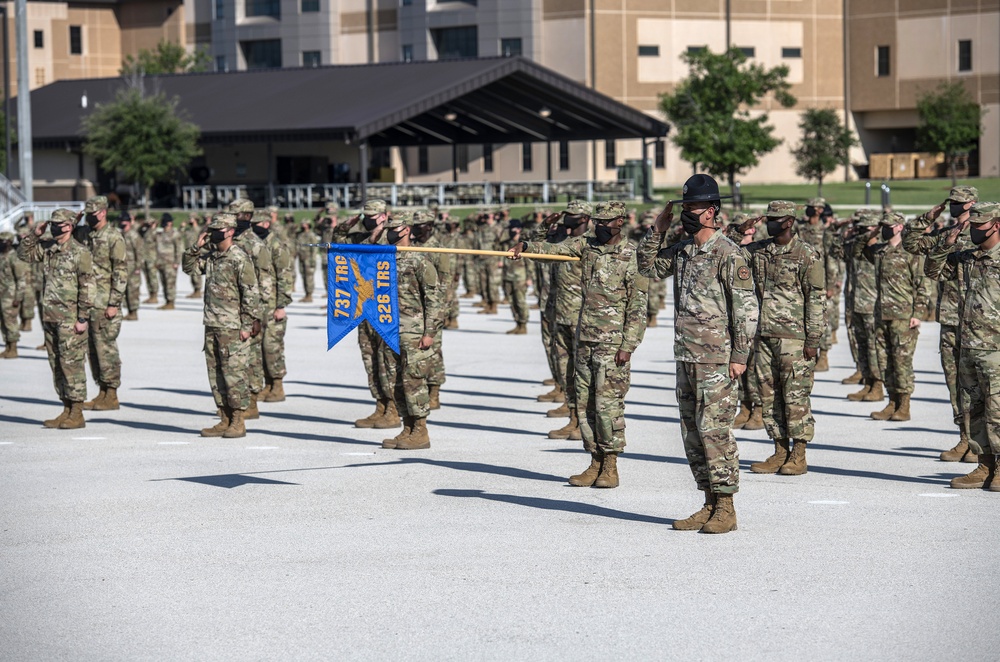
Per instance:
x=363, y=157
x=24, y=149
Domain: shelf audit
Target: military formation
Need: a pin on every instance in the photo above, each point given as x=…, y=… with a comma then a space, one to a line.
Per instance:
x=756, y=309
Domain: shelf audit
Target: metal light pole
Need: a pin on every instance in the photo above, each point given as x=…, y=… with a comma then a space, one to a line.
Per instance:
x=6, y=91
x=24, y=103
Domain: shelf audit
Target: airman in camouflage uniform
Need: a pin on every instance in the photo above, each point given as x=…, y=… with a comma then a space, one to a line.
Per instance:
x=107, y=251
x=328, y=226
x=13, y=286
x=232, y=310
x=552, y=231
x=488, y=237
x=448, y=235
x=919, y=237
x=306, y=254
x=610, y=327
x=191, y=233
x=791, y=288
x=420, y=300
x=715, y=320
x=147, y=229
x=169, y=245
x=977, y=271
x=902, y=295
x=515, y=278
x=813, y=231
x=276, y=324
x=423, y=233
x=133, y=265
x=743, y=230
x=863, y=293
x=33, y=295
x=657, y=295
x=67, y=299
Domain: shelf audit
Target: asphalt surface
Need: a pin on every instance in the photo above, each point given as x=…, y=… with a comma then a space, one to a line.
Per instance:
x=135, y=539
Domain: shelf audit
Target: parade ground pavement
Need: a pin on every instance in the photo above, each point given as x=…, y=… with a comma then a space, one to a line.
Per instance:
x=135, y=539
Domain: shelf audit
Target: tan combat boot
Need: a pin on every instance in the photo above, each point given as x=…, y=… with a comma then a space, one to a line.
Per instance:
x=74, y=421
x=152, y=299
x=369, y=421
x=902, y=412
x=823, y=362
x=54, y=422
x=219, y=428
x=90, y=404
x=859, y=396
x=773, y=463
x=576, y=434
x=565, y=431
x=756, y=421
x=698, y=520
x=492, y=309
x=958, y=452
x=555, y=395
x=743, y=416
x=132, y=316
x=417, y=439
x=558, y=412
x=252, y=413
x=42, y=346
x=389, y=419
x=110, y=400
x=434, y=394
x=306, y=299
x=518, y=330
x=237, y=428
x=277, y=392
x=407, y=430
x=876, y=393
x=853, y=379
x=651, y=321
x=723, y=518
x=609, y=472
x=981, y=476
x=264, y=392
x=9, y=352
x=548, y=382
x=796, y=464
x=590, y=474
x=194, y=295
x=886, y=413
x=26, y=324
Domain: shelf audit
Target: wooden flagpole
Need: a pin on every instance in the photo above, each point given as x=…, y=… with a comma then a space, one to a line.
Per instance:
x=472, y=251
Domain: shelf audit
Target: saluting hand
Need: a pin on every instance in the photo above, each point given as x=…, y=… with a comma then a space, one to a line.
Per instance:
x=666, y=217
x=955, y=232
x=937, y=210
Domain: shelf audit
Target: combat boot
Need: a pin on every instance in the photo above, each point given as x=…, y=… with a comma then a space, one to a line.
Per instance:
x=855, y=378
x=743, y=416
x=958, y=452
x=773, y=463
x=756, y=421
x=152, y=299
x=609, y=472
x=491, y=309
x=981, y=476
x=519, y=330
x=434, y=393
x=902, y=412
x=548, y=382
x=219, y=428
x=576, y=434
x=306, y=299
x=277, y=393
x=264, y=392
x=452, y=323
x=468, y=295
x=167, y=306
x=74, y=420
x=407, y=430
x=54, y=422
x=252, y=413
x=132, y=316
x=723, y=518
x=796, y=464
x=886, y=413
x=565, y=431
x=590, y=474
x=389, y=419
x=42, y=346
x=194, y=295
x=697, y=520
x=237, y=428
x=9, y=352
x=418, y=439
x=110, y=400
x=823, y=362
x=876, y=394
x=98, y=399
x=558, y=412
x=970, y=456
x=369, y=421
x=555, y=395
x=26, y=324
x=651, y=322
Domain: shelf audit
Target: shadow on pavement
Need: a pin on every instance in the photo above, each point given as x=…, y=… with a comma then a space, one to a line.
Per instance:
x=476, y=467
x=179, y=391
x=230, y=481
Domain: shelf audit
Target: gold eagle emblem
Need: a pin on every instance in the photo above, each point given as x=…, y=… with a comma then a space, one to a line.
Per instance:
x=364, y=288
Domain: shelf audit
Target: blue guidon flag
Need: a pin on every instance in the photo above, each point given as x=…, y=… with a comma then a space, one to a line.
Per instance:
x=361, y=287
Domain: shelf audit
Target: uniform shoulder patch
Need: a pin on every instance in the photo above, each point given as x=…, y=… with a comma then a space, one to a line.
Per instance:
x=743, y=273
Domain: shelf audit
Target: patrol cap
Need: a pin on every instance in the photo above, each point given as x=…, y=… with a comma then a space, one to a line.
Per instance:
x=6, y=236
x=374, y=208
x=289, y=215
x=261, y=216
x=166, y=216
x=701, y=188
x=739, y=219
x=964, y=194
x=125, y=217
x=421, y=216
x=96, y=204
x=241, y=206
x=222, y=220
x=984, y=212
x=399, y=218
x=818, y=203
x=867, y=218
x=576, y=208
x=780, y=209
x=891, y=218
x=273, y=209
x=63, y=215
x=610, y=210
x=515, y=224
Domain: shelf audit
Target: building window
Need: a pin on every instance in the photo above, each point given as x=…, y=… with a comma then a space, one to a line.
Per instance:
x=488, y=158
x=407, y=3
x=694, y=50
x=423, y=160
x=789, y=52
x=39, y=76
x=649, y=51
x=262, y=54
x=609, y=155
x=564, y=155
x=220, y=63
x=526, y=157
x=510, y=47
x=881, y=61
x=462, y=157
x=310, y=6
x=407, y=52
x=75, y=40
x=311, y=59
x=220, y=9
x=456, y=42
x=270, y=8
x=748, y=51
x=964, y=55
x=661, y=154
x=39, y=39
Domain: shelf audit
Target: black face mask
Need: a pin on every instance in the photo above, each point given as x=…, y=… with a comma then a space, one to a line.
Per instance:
x=692, y=222
x=774, y=227
x=810, y=212
x=163, y=224
x=888, y=232
x=242, y=226
x=422, y=232
x=605, y=233
x=5, y=246
x=572, y=222
x=261, y=231
x=392, y=235
x=370, y=223
x=92, y=220
x=217, y=236
x=978, y=235
x=956, y=209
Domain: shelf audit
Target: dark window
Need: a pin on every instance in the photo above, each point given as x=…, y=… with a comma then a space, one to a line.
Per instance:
x=882, y=61
x=609, y=154
x=661, y=154
x=407, y=3
x=964, y=55
x=220, y=9
x=311, y=59
x=649, y=51
x=262, y=54
x=220, y=63
x=510, y=47
x=407, y=52
x=75, y=40
x=462, y=157
x=423, y=160
x=310, y=6
x=487, y=158
x=39, y=39
x=692, y=50
x=270, y=8
x=564, y=155
x=526, y=157
x=456, y=42
x=791, y=52
x=749, y=51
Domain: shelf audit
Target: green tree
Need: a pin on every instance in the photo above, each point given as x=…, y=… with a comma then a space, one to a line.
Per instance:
x=710, y=111
x=143, y=137
x=950, y=122
x=825, y=145
x=167, y=58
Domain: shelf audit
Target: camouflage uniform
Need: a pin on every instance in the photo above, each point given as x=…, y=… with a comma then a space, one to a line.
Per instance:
x=306, y=255
x=515, y=279
x=191, y=233
x=863, y=293
x=133, y=265
x=326, y=236
x=751, y=411
x=444, y=267
x=816, y=235
x=450, y=239
x=13, y=286
x=260, y=256
x=169, y=245
x=566, y=297
x=148, y=231
x=274, y=330
x=33, y=292
x=488, y=237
